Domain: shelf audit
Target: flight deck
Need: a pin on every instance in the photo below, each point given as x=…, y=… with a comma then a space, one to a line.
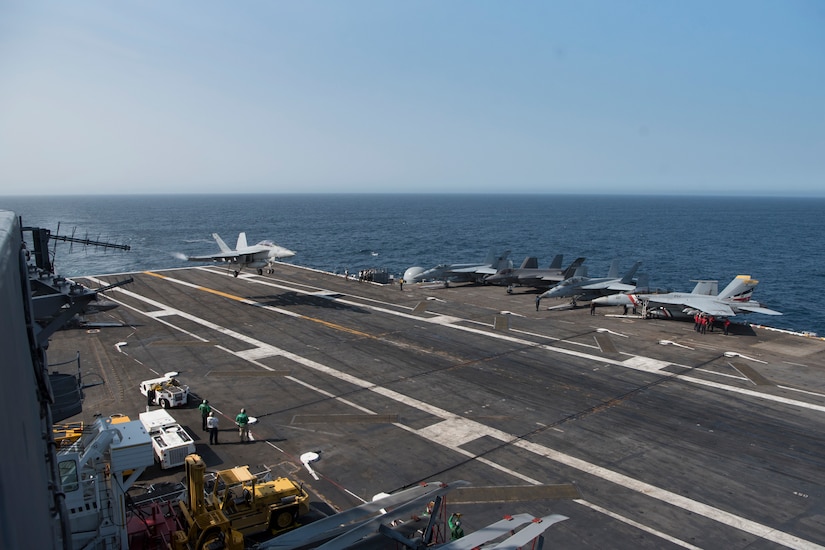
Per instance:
x=643, y=432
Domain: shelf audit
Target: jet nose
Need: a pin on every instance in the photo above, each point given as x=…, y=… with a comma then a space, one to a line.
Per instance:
x=281, y=252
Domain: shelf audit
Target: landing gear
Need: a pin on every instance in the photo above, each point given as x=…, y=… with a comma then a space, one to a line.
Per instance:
x=260, y=271
x=236, y=273
x=509, y=289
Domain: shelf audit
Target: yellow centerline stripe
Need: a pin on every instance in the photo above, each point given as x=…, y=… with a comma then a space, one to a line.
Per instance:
x=338, y=327
x=205, y=289
x=251, y=302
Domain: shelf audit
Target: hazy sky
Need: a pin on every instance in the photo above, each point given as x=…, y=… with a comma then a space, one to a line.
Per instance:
x=609, y=96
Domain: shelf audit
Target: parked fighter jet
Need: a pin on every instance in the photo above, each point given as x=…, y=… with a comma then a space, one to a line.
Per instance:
x=734, y=299
x=582, y=287
x=260, y=256
x=459, y=272
x=529, y=274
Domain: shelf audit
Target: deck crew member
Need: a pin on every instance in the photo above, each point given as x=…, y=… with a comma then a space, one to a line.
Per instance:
x=242, y=420
x=212, y=425
x=205, y=410
x=456, y=531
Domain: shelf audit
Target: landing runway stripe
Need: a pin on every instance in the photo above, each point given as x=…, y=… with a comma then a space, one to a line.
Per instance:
x=636, y=524
x=716, y=514
x=478, y=429
x=254, y=303
x=336, y=326
x=202, y=288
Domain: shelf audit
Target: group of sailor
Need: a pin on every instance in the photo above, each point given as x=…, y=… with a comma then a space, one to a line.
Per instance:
x=370, y=275
x=702, y=323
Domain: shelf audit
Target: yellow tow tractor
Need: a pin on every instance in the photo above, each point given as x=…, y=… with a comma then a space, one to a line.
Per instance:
x=257, y=503
x=206, y=526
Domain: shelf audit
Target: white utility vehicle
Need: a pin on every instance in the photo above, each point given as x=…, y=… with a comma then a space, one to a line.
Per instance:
x=170, y=441
x=166, y=391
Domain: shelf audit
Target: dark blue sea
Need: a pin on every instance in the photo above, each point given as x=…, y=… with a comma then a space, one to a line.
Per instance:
x=778, y=241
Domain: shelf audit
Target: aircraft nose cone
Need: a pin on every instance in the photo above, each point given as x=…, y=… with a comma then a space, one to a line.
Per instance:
x=281, y=252
x=552, y=293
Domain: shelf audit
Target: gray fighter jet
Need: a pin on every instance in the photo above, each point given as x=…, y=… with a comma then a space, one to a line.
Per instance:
x=458, y=273
x=735, y=299
x=529, y=274
x=260, y=256
x=582, y=287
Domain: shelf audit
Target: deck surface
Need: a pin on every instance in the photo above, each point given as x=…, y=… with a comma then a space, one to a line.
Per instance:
x=704, y=441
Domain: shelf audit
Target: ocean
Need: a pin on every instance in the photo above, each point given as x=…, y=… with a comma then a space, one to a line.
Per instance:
x=778, y=241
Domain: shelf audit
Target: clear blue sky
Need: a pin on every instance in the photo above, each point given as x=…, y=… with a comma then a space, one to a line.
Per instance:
x=609, y=96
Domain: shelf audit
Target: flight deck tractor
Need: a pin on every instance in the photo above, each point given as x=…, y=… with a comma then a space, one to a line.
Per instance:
x=170, y=441
x=166, y=391
x=256, y=503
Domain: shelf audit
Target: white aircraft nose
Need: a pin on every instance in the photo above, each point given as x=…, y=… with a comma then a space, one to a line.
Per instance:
x=281, y=252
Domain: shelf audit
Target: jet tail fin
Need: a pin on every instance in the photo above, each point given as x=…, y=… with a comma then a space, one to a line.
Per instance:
x=530, y=262
x=221, y=244
x=556, y=263
x=502, y=261
x=241, y=241
x=613, y=272
x=628, y=277
x=707, y=288
x=491, y=257
x=642, y=283
x=740, y=288
x=574, y=267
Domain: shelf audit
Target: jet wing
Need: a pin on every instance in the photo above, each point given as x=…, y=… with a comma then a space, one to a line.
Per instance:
x=706, y=305
x=615, y=286
x=757, y=309
x=529, y=533
x=620, y=287
x=473, y=269
x=491, y=532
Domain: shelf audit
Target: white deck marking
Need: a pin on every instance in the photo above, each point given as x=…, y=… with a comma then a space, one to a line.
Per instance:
x=444, y=319
x=647, y=364
x=636, y=524
x=465, y=429
x=454, y=432
x=255, y=354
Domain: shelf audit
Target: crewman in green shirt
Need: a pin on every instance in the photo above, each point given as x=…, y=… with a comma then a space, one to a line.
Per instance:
x=242, y=420
x=456, y=531
x=205, y=410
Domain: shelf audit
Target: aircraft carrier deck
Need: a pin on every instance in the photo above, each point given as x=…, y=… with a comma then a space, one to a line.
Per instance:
x=644, y=433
